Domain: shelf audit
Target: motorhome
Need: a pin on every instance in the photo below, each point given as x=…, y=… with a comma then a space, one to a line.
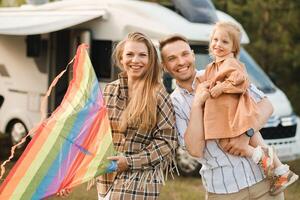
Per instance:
x=37, y=42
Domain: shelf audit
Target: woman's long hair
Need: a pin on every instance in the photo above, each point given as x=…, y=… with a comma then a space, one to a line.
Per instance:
x=142, y=108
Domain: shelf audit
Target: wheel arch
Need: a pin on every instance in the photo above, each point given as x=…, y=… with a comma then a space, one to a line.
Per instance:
x=12, y=121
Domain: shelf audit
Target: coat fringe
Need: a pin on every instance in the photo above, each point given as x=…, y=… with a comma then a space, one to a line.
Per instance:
x=160, y=172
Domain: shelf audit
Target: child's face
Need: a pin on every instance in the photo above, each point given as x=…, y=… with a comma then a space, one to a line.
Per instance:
x=221, y=44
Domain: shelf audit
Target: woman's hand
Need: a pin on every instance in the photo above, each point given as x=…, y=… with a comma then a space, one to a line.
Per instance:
x=63, y=193
x=122, y=164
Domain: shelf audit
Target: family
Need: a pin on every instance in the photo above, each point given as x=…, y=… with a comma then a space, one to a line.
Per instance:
x=215, y=114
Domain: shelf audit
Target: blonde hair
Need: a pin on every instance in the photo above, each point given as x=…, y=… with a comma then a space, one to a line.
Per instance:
x=234, y=33
x=141, y=109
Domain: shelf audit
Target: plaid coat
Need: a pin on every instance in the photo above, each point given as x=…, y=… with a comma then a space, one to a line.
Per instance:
x=150, y=154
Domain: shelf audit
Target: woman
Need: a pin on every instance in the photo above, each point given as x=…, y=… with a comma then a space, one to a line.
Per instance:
x=142, y=121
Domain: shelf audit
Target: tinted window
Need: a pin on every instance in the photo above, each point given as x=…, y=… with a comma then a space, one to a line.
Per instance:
x=201, y=54
x=200, y=11
x=101, y=58
x=257, y=75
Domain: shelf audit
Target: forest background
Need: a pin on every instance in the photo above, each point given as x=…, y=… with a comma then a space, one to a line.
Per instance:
x=274, y=30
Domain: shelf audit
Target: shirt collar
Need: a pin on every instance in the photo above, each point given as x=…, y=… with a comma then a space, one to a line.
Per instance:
x=218, y=60
x=123, y=84
x=185, y=91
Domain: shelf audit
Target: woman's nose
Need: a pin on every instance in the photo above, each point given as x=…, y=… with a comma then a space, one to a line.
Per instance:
x=135, y=59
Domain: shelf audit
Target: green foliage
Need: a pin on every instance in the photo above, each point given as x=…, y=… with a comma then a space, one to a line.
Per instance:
x=11, y=3
x=274, y=31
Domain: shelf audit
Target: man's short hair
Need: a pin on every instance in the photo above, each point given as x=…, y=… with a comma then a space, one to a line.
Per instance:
x=171, y=39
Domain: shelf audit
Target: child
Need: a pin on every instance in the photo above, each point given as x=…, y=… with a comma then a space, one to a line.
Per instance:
x=232, y=107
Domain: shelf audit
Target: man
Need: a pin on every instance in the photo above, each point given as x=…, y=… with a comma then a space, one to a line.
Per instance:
x=226, y=174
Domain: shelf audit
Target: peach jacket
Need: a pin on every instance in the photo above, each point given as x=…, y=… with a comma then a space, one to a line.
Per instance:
x=233, y=112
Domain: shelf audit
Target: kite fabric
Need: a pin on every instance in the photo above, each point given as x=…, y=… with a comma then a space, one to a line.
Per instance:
x=71, y=146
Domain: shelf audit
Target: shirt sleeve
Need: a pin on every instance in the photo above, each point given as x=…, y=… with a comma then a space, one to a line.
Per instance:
x=164, y=143
x=236, y=80
x=181, y=121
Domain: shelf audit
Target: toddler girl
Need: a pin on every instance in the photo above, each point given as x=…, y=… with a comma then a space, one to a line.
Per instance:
x=232, y=107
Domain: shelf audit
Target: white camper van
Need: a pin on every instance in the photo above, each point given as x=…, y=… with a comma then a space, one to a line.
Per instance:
x=23, y=82
x=37, y=42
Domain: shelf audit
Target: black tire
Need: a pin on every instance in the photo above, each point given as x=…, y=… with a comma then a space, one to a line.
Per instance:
x=187, y=165
x=16, y=130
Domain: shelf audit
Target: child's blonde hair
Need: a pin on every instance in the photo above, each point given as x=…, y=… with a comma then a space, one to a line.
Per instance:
x=234, y=33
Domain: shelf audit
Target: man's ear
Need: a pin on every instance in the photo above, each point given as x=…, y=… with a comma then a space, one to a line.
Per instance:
x=193, y=54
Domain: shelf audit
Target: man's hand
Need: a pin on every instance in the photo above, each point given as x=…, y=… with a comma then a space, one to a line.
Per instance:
x=201, y=93
x=121, y=162
x=217, y=90
x=236, y=146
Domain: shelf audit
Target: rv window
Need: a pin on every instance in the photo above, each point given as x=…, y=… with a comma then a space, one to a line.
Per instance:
x=1, y=100
x=41, y=61
x=201, y=54
x=3, y=71
x=33, y=45
x=101, y=58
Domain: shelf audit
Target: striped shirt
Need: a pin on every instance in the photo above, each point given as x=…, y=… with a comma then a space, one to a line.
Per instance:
x=221, y=172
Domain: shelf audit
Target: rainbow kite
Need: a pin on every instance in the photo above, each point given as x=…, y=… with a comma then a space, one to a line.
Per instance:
x=68, y=148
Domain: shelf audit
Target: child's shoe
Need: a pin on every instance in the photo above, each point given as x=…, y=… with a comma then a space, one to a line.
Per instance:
x=281, y=182
x=264, y=157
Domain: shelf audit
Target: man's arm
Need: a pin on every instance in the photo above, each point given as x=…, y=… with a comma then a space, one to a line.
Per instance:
x=236, y=145
x=194, y=134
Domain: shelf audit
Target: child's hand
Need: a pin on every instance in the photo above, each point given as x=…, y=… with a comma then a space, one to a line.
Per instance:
x=217, y=90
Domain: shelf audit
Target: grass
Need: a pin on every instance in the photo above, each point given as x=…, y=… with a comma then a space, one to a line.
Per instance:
x=187, y=188
x=181, y=188
x=178, y=189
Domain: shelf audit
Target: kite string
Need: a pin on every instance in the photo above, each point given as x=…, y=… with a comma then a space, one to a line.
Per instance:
x=43, y=116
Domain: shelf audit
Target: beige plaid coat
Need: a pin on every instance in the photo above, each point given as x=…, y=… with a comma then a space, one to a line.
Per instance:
x=150, y=155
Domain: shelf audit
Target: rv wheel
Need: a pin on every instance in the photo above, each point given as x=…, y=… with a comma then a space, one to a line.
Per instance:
x=187, y=165
x=17, y=130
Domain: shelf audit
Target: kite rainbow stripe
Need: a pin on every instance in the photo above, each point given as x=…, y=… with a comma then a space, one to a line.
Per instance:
x=68, y=148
